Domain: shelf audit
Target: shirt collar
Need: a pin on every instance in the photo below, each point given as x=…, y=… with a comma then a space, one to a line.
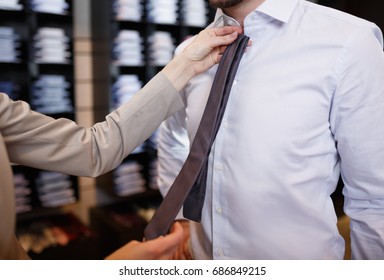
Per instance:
x=278, y=9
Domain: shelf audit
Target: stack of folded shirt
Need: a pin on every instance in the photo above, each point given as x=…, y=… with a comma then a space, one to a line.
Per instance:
x=22, y=193
x=162, y=11
x=50, y=95
x=124, y=88
x=10, y=5
x=128, y=10
x=54, y=189
x=128, y=179
x=10, y=88
x=10, y=43
x=122, y=91
x=194, y=12
x=51, y=45
x=49, y=6
x=128, y=48
x=161, y=48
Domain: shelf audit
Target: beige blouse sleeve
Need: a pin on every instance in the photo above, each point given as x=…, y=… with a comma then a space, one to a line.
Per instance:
x=61, y=145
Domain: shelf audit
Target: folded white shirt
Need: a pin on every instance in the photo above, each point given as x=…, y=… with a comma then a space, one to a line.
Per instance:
x=128, y=167
x=22, y=191
x=7, y=6
x=55, y=109
x=55, y=195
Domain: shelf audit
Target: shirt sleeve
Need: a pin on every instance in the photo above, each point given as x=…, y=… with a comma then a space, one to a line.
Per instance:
x=357, y=122
x=173, y=142
x=39, y=141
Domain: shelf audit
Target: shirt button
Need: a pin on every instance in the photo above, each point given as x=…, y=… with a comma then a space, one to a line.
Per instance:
x=235, y=82
x=219, y=166
x=220, y=252
x=219, y=210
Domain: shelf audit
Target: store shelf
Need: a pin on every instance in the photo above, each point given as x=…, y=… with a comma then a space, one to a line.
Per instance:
x=35, y=64
x=136, y=42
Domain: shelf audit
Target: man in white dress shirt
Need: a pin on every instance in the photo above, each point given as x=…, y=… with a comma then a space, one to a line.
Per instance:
x=307, y=104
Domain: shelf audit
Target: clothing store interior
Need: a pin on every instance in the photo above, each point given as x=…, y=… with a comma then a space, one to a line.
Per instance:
x=81, y=59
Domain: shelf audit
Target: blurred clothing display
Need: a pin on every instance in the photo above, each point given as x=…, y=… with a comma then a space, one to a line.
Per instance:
x=10, y=88
x=50, y=95
x=49, y=6
x=162, y=11
x=128, y=179
x=22, y=193
x=122, y=91
x=51, y=45
x=161, y=48
x=194, y=12
x=124, y=88
x=128, y=48
x=128, y=10
x=10, y=44
x=54, y=189
x=11, y=5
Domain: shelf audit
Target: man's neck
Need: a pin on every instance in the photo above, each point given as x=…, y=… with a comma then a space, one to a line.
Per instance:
x=240, y=11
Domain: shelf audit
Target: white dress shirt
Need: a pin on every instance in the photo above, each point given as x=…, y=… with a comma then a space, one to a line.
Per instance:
x=307, y=103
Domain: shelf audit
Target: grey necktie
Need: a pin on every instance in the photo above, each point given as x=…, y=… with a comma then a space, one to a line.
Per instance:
x=189, y=186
